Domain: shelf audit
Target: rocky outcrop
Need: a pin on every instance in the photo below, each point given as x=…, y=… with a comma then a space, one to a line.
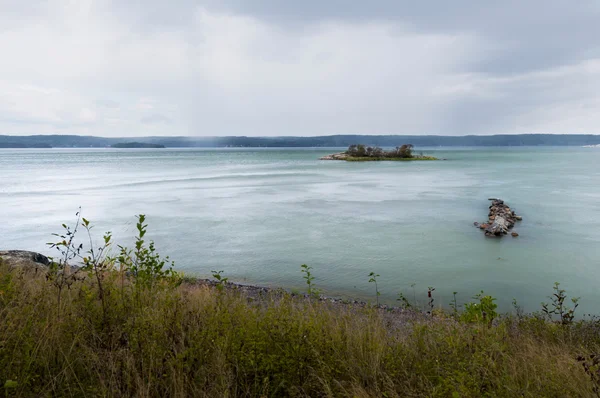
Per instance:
x=501, y=219
x=22, y=258
x=335, y=156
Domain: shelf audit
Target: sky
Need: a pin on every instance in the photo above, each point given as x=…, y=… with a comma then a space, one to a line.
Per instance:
x=312, y=67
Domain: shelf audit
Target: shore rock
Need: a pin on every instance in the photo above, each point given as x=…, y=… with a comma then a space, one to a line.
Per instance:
x=335, y=156
x=501, y=219
x=23, y=258
x=514, y=234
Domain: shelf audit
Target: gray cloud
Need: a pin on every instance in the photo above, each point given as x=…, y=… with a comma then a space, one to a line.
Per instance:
x=269, y=67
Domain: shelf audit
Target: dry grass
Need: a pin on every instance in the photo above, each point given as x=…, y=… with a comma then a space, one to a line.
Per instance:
x=194, y=340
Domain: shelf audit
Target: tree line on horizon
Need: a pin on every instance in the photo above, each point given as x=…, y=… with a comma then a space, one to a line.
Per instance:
x=77, y=141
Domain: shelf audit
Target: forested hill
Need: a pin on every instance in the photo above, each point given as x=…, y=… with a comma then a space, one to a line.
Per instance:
x=68, y=141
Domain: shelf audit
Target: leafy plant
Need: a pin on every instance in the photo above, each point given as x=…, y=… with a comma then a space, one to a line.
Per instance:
x=97, y=263
x=557, y=306
x=144, y=263
x=404, y=302
x=481, y=311
x=373, y=279
x=59, y=271
x=309, y=278
x=221, y=280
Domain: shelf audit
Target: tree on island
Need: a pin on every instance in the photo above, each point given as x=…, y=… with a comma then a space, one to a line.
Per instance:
x=405, y=151
x=361, y=151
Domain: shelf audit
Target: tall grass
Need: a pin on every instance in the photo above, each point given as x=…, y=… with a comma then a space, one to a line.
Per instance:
x=130, y=326
x=196, y=340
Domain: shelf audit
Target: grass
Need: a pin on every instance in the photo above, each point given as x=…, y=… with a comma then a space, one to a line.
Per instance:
x=375, y=159
x=192, y=339
x=130, y=326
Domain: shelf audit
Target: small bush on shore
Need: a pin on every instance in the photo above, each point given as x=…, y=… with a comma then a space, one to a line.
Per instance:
x=121, y=338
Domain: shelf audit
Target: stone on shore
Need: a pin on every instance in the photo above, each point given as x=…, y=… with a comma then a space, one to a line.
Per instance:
x=23, y=258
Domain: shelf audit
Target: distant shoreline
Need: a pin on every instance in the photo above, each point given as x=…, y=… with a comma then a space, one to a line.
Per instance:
x=137, y=145
x=329, y=141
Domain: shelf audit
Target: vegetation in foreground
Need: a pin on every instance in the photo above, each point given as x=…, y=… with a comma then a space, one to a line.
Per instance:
x=129, y=325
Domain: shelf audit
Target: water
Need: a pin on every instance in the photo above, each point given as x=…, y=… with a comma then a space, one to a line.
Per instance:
x=258, y=214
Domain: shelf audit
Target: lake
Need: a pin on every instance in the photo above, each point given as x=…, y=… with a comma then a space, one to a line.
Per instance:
x=258, y=214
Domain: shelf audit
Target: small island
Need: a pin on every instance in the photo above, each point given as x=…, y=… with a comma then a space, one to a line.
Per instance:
x=361, y=153
x=136, y=145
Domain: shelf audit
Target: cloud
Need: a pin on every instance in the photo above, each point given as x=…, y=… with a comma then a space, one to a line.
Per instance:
x=267, y=67
x=156, y=119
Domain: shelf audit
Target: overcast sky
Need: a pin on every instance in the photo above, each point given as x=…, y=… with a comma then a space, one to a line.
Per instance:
x=310, y=67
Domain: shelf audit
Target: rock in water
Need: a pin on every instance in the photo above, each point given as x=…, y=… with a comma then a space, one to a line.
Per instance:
x=501, y=219
x=498, y=227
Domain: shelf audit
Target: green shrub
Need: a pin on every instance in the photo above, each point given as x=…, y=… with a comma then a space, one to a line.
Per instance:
x=484, y=310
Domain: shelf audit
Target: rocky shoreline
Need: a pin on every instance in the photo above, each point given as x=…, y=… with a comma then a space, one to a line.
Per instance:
x=501, y=219
x=335, y=156
x=36, y=262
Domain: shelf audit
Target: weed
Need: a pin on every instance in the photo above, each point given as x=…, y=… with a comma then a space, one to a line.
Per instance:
x=518, y=309
x=221, y=280
x=404, y=303
x=59, y=271
x=97, y=263
x=454, y=304
x=146, y=265
x=430, y=291
x=309, y=278
x=483, y=310
x=557, y=306
x=373, y=279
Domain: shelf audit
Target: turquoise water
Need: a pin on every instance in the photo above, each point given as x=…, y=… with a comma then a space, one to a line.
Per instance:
x=258, y=214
